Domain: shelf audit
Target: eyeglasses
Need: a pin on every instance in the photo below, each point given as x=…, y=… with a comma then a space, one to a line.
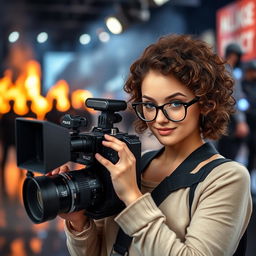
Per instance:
x=175, y=111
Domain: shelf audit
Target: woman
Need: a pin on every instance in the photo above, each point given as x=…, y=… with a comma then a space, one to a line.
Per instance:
x=180, y=91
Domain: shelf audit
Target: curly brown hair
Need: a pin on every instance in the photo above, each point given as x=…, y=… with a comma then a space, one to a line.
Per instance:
x=193, y=63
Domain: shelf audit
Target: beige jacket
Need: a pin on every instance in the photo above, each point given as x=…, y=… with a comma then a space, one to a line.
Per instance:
x=220, y=212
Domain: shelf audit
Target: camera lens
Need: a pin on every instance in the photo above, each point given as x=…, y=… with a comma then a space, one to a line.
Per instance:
x=45, y=197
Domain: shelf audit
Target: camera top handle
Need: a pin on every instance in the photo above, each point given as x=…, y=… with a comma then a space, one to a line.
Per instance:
x=108, y=107
x=106, y=104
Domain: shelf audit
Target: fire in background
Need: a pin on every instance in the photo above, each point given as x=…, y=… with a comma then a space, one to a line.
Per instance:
x=22, y=98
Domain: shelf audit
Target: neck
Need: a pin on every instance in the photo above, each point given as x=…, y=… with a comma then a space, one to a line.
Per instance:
x=178, y=153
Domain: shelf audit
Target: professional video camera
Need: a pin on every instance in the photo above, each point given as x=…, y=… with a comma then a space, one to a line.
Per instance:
x=43, y=146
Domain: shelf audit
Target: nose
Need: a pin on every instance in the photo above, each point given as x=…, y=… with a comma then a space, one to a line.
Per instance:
x=160, y=117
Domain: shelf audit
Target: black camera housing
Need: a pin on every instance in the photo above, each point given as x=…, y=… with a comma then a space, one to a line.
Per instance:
x=43, y=146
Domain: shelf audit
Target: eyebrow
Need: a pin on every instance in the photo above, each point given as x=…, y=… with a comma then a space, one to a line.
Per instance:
x=166, y=98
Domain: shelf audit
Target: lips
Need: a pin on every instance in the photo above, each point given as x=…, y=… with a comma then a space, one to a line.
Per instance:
x=165, y=131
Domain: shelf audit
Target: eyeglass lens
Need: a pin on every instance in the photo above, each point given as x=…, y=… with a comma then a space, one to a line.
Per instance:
x=173, y=111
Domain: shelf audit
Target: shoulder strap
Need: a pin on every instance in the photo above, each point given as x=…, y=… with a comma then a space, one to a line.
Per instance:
x=123, y=241
x=148, y=157
x=205, y=170
x=200, y=154
x=180, y=178
x=241, y=249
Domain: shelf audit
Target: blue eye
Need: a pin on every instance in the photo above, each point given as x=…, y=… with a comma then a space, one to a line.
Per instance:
x=149, y=105
x=174, y=104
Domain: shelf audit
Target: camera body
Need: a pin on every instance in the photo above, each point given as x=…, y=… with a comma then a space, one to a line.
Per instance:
x=43, y=146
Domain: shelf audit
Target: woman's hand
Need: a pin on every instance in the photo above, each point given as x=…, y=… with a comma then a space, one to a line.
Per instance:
x=77, y=219
x=123, y=173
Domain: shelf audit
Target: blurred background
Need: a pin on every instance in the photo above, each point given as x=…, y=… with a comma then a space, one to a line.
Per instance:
x=54, y=54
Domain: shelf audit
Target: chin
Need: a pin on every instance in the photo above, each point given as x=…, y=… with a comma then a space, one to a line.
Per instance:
x=167, y=140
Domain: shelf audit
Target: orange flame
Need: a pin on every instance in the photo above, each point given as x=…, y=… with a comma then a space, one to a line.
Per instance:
x=27, y=87
x=78, y=98
x=5, y=82
x=60, y=92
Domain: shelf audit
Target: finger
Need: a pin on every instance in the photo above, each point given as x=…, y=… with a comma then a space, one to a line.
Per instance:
x=64, y=169
x=118, y=146
x=113, y=139
x=60, y=170
x=53, y=172
x=129, y=153
x=105, y=162
x=122, y=150
x=113, y=145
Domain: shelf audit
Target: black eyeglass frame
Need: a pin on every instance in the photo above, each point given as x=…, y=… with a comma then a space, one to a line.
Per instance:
x=185, y=104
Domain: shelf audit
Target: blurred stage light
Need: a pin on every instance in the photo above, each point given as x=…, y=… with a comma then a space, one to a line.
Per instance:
x=128, y=14
x=243, y=104
x=104, y=36
x=159, y=2
x=85, y=39
x=14, y=36
x=238, y=73
x=42, y=37
x=119, y=22
x=114, y=25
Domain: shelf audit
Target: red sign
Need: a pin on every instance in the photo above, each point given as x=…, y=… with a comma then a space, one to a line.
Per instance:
x=237, y=23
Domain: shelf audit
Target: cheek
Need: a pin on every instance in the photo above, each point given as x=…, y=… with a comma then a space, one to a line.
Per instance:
x=149, y=125
x=193, y=120
x=194, y=113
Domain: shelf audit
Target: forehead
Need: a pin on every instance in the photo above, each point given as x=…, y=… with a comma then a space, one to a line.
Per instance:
x=157, y=85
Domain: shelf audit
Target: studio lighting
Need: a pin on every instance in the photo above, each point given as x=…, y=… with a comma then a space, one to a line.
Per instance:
x=104, y=36
x=14, y=36
x=126, y=15
x=42, y=37
x=85, y=39
x=114, y=25
x=243, y=104
x=159, y=2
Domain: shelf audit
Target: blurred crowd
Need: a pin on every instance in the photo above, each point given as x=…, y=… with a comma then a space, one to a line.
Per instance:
x=241, y=137
x=241, y=130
